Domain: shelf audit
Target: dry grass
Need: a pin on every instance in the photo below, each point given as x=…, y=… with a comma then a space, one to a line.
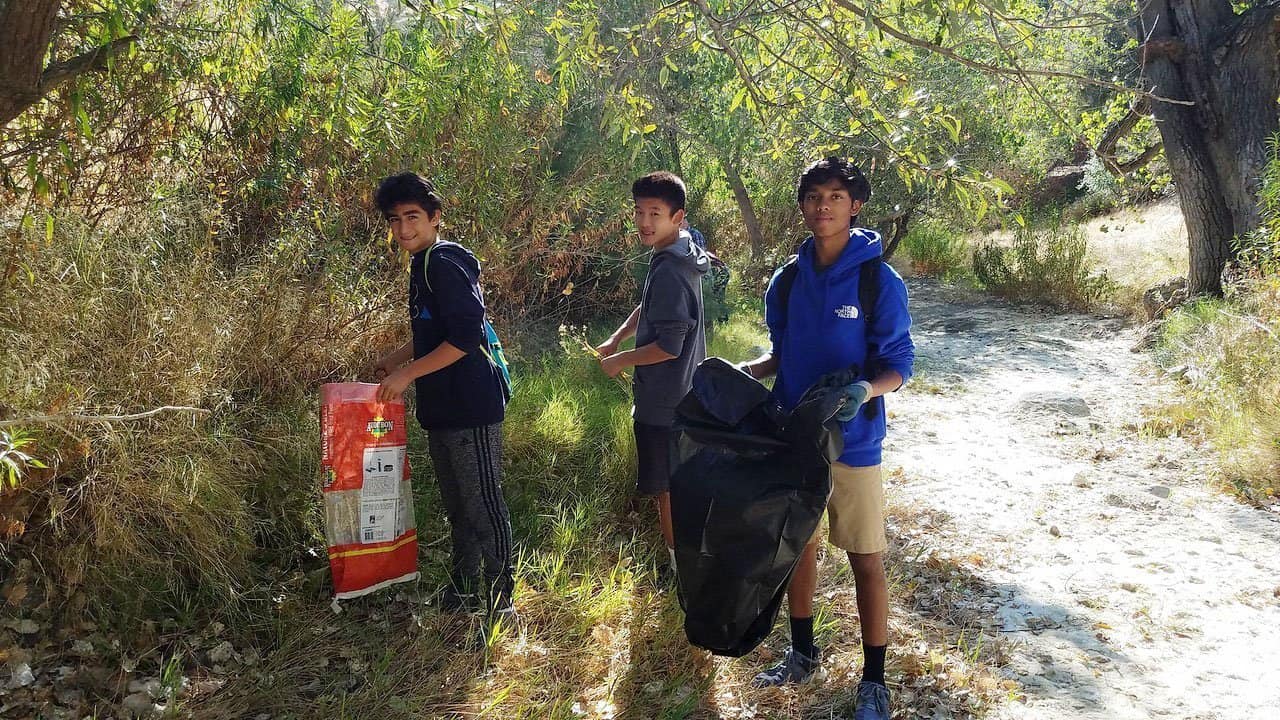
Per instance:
x=193, y=543
x=169, y=514
x=600, y=641
x=1138, y=248
x=1226, y=352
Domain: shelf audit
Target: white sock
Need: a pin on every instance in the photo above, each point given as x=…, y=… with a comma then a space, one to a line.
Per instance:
x=672, y=552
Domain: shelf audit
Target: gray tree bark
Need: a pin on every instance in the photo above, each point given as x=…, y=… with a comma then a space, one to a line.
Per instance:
x=27, y=28
x=746, y=208
x=1201, y=51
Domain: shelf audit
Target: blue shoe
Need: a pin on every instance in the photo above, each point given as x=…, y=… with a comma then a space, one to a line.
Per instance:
x=796, y=668
x=872, y=702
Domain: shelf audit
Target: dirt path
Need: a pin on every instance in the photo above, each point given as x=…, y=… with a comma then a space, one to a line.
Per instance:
x=1127, y=586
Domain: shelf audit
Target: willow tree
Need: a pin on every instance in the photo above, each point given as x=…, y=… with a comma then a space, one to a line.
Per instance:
x=1207, y=69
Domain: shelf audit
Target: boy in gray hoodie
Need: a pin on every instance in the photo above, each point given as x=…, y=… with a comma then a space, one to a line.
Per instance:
x=669, y=331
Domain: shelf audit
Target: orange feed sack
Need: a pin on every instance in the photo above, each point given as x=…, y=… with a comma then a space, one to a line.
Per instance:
x=368, y=499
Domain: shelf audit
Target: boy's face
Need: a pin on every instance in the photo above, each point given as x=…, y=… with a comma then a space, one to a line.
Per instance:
x=657, y=224
x=828, y=208
x=412, y=227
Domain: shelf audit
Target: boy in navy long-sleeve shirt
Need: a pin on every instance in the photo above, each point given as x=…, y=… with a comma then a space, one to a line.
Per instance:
x=821, y=334
x=461, y=396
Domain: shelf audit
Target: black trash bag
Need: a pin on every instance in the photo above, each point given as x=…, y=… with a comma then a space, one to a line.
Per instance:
x=748, y=488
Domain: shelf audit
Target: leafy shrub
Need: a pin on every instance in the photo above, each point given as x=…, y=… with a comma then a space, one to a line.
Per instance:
x=936, y=251
x=1049, y=266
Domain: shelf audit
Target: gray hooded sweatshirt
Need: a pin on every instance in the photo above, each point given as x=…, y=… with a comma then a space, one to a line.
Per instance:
x=670, y=315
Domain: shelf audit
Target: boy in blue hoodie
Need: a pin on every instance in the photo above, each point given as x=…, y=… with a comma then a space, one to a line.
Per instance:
x=822, y=335
x=669, y=331
x=461, y=395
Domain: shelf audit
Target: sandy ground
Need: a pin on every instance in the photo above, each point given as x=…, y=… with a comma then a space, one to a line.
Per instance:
x=1125, y=584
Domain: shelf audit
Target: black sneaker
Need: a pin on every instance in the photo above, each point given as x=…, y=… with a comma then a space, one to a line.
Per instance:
x=796, y=668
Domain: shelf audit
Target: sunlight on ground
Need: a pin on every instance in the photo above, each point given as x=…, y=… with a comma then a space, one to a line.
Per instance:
x=1140, y=247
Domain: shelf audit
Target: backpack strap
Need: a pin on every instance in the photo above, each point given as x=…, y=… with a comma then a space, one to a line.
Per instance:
x=786, y=281
x=868, y=286
x=868, y=300
x=490, y=345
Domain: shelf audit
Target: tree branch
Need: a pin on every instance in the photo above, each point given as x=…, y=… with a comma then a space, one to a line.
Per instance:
x=994, y=69
x=1143, y=158
x=1106, y=149
x=74, y=418
x=738, y=63
x=95, y=60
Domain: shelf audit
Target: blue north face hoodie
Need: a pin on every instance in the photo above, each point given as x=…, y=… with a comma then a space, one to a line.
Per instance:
x=824, y=331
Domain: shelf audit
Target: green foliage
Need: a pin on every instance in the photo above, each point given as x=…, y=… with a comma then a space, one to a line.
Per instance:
x=14, y=461
x=1259, y=252
x=1227, y=352
x=279, y=117
x=936, y=251
x=1049, y=266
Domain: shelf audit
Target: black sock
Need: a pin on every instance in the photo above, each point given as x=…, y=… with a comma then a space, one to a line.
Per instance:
x=873, y=663
x=802, y=636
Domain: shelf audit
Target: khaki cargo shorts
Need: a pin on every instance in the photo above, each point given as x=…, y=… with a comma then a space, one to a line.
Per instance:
x=855, y=512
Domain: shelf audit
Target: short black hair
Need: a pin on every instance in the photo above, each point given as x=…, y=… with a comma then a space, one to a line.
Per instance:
x=660, y=185
x=407, y=187
x=835, y=168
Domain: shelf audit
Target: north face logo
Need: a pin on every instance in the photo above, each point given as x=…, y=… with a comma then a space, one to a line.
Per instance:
x=848, y=312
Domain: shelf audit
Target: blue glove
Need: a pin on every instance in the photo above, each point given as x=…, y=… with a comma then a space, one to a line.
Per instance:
x=854, y=396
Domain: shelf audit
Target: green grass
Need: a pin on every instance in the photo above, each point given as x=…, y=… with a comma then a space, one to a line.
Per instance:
x=1228, y=353
x=164, y=530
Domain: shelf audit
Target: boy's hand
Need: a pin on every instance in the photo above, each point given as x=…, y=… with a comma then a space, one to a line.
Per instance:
x=381, y=368
x=607, y=348
x=855, y=395
x=613, y=364
x=393, y=387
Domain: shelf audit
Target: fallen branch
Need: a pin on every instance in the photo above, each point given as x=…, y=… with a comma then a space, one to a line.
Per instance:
x=75, y=418
x=1252, y=321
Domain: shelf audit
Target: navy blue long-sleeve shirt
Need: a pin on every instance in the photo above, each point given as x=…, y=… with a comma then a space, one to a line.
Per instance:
x=446, y=304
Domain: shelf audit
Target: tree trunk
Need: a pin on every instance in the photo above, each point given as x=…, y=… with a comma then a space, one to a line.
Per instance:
x=673, y=147
x=26, y=26
x=748, y=210
x=893, y=229
x=1199, y=50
